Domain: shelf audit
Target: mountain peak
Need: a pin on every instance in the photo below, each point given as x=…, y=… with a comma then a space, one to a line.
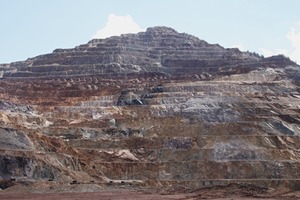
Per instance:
x=159, y=49
x=161, y=30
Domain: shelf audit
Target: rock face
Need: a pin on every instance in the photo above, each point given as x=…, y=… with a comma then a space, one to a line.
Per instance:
x=154, y=109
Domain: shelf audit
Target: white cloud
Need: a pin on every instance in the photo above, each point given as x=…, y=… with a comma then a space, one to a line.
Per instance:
x=239, y=46
x=117, y=25
x=267, y=52
x=293, y=36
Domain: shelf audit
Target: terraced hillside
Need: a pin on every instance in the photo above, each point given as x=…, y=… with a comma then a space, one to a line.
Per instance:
x=157, y=109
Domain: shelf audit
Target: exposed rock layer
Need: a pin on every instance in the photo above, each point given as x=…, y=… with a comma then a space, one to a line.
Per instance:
x=152, y=109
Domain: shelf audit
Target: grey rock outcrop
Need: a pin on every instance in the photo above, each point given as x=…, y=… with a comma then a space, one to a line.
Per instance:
x=158, y=50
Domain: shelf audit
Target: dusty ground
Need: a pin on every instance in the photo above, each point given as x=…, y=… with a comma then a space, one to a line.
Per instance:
x=122, y=195
x=78, y=191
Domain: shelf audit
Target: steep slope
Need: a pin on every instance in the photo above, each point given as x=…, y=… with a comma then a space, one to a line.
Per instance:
x=159, y=49
x=153, y=109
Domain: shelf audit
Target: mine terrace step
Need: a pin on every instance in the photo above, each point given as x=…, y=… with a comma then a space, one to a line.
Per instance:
x=190, y=155
x=220, y=142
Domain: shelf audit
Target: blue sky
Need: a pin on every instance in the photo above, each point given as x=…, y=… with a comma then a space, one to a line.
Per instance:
x=33, y=27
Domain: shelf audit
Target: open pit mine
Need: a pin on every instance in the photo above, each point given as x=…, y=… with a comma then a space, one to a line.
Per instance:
x=158, y=110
